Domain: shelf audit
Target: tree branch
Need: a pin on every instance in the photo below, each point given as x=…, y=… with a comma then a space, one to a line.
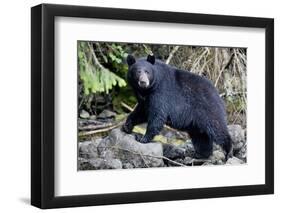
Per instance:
x=171, y=55
x=95, y=59
x=100, y=130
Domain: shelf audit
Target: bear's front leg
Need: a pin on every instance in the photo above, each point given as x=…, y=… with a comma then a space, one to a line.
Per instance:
x=154, y=126
x=135, y=117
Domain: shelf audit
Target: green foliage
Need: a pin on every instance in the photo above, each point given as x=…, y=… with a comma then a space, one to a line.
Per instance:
x=117, y=53
x=94, y=76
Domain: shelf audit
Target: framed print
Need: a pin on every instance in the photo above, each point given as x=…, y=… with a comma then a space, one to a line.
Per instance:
x=139, y=106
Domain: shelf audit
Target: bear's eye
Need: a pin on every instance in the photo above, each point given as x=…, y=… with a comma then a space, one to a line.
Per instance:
x=146, y=71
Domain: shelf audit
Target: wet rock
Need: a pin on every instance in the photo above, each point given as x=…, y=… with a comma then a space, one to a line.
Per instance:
x=200, y=162
x=128, y=166
x=234, y=161
x=189, y=149
x=128, y=150
x=88, y=149
x=216, y=147
x=207, y=163
x=238, y=146
x=99, y=163
x=188, y=161
x=218, y=157
x=107, y=154
x=83, y=164
x=242, y=153
x=239, y=141
x=237, y=135
x=84, y=114
x=173, y=152
x=111, y=164
x=93, y=117
x=106, y=114
x=95, y=163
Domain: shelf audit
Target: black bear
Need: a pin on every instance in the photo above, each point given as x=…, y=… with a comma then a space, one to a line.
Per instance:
x=179, y=99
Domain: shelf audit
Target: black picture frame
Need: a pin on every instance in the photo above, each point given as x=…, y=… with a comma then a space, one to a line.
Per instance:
x=43, y=102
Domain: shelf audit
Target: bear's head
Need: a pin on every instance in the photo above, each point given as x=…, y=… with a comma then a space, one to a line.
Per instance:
x=141, y=72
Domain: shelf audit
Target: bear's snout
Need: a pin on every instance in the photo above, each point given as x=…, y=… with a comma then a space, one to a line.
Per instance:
x=143, y=81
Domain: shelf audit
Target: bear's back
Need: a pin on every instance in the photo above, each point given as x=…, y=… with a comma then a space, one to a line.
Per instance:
x=200, y=90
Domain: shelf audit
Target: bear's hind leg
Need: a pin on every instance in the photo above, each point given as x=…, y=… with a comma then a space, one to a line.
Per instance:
x=223, y=139
x=227, y=147
x=202, y=144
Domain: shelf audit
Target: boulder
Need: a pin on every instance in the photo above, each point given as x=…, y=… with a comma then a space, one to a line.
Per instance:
x=84, y=114
x=88, y=149
x=234, y=161
x=217, y=156
x=106, y=114
x=188, y=161
x=173, y=152
x=189, y=149
x=237, y=135
x=125, y=148
x=83, y=164
x=242, y=153
x=111, y=164
x=128, y=166
x=99, y=163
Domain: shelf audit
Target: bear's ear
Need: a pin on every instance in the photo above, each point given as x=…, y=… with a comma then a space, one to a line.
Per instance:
x=130, y=60
x=151, y=59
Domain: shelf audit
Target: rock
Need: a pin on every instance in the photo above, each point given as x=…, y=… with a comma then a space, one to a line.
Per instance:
x=237, y=135
x=188, y=161
x=88, y=149
x=111, y=164
x=107, y=154
x=239, y=141
x=242, y=153
x=238, y=146
x=207, y=163
x=93, y=117
x=84, y=114
x=234, y=161
x=189, y=149
x=220, y=162
x=99, y=163
x=95, y=163
x=218, y=157
x=125, y=148
x=106, y=114
x=199, y=162
x=173, y=152
x=128, y=166
x=83, y=164
x=216, y=147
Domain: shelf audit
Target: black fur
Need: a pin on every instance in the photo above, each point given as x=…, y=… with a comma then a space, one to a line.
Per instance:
x=180, y=99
